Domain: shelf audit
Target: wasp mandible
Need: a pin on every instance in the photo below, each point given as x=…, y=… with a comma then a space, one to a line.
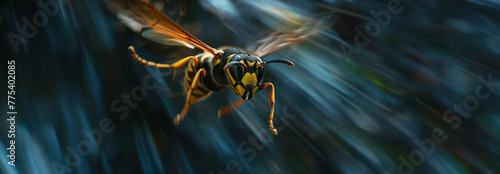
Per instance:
x=216, y=69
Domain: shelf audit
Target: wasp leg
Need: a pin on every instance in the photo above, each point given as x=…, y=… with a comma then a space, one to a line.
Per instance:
x=271, y=102
x=173, y=66
x=196, y=78
x=230, y=107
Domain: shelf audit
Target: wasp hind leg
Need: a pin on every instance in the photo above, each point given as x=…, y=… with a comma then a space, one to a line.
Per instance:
x=173, y=66
x=271, y=102
x=190, y=99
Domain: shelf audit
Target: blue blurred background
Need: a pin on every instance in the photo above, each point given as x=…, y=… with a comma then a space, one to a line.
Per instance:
x=356, y=102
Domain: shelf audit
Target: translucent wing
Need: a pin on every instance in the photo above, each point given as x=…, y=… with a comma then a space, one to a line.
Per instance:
x=141, y=16
x=164, y=38
x=282, y=39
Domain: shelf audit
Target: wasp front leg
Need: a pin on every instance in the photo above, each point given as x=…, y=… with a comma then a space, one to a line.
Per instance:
x=173, y=66
x=196, y=79
x=271, y=102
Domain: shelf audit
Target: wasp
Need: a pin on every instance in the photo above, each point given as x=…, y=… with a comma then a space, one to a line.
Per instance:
x=214, y=70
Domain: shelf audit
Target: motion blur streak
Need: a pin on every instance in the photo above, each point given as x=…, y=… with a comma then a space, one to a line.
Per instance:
x=359, y=110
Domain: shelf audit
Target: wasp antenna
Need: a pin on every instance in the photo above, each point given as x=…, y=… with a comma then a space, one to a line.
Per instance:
x=230, y=64
x=283, y=61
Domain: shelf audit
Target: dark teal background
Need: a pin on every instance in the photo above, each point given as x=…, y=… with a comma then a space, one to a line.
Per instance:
x=334, y=113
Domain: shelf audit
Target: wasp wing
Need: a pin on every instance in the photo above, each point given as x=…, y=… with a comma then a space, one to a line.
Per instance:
x=282, y=39
x=164, y=38
x=141, y=16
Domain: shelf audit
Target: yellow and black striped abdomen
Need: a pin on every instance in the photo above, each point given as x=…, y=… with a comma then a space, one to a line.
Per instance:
x=201, y=91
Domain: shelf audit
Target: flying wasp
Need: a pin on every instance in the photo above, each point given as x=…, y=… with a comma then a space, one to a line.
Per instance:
x=216, y=69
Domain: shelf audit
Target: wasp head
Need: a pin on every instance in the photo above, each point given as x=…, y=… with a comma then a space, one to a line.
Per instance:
x=245, y=73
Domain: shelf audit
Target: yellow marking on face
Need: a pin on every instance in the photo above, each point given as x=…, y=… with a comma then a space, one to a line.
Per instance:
x=249, y=79
x=230, y=77
x=240, y=90
x=217, y=62
x=259, y=65
x=250, y=64
x=254, y=90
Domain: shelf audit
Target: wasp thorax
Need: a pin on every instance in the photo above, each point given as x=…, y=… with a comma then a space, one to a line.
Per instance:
x=245, y=72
